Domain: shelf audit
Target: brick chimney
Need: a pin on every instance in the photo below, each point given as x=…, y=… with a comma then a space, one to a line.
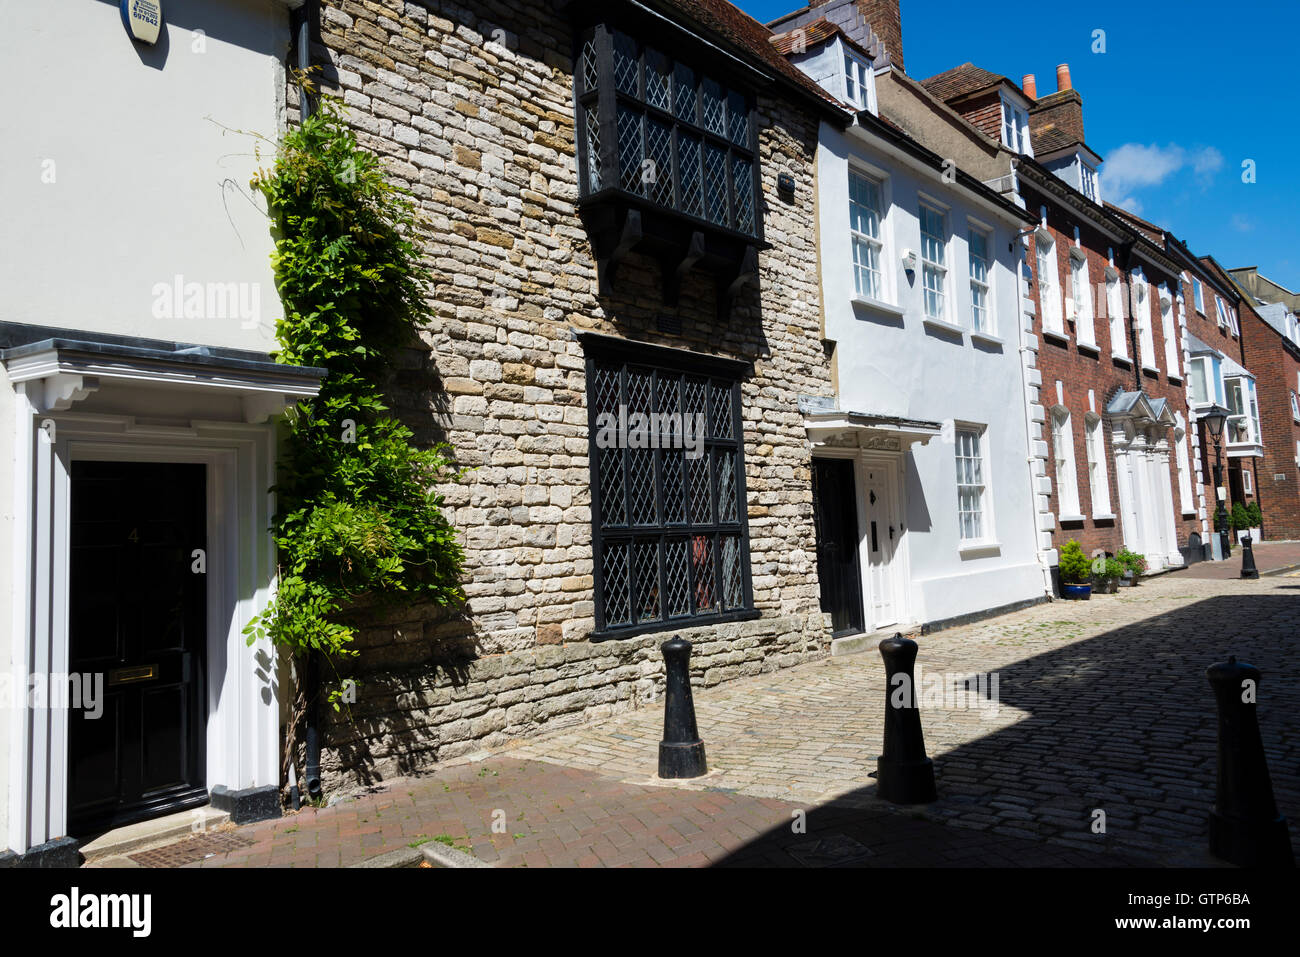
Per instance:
x=1062, y=110
x=1030, y=86
x=886, y=21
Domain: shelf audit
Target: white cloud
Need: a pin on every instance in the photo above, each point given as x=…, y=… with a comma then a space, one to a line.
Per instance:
x=1134, y=166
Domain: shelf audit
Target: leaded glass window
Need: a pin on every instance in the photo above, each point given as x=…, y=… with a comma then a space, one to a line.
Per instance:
x=671, y=543
x=684, y=140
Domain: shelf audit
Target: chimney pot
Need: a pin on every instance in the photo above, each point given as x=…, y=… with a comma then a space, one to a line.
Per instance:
x=1030, y=86
x=1063, y=78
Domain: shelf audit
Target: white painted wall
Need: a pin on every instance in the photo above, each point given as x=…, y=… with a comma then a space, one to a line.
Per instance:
x=7, y=492
x=901, y=366
x=147, y=184
x=124, y=171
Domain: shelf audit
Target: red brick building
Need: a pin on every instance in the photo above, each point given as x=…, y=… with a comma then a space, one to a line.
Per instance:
x=1104, y=298
x=1207, y=310
x=1270, y=338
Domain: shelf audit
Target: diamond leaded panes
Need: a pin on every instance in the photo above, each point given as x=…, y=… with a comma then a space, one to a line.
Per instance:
x=629, y=149
x=684, y=138
x=670, y=532
x=715, y=182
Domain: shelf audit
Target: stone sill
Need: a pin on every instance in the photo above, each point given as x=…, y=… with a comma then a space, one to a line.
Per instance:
x=977, y=548
x=945, y=325
x=877, y=305
x=988, y=337
x=678, y=624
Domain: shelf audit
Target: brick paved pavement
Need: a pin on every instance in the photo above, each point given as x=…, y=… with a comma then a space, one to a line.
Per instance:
x=1270, y=558
x=1103, y=705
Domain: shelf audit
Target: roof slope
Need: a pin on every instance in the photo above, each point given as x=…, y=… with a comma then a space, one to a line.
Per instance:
x=742, y=31
x=961, y=80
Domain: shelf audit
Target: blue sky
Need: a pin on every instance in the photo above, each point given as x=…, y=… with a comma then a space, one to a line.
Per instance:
x=1184, y=93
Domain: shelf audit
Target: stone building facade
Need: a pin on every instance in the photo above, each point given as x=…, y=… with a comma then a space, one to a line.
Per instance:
x=473, y=110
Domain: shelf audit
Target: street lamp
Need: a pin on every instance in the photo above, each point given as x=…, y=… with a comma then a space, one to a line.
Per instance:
x=1214, y=417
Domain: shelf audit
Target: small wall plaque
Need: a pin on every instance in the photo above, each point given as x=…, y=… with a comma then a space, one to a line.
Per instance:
x=142, y=19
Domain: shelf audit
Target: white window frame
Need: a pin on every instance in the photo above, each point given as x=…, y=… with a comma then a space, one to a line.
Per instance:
x=1198, y=370
x=1249, y=414
x=1067, y=476
x=1167, y=330
x=988, y=325
x=1098, y=474
x=1186, y=501
x=1198, y=295
x=1049, y=277
x=1295, y=407
x=1088, y=181
x=1141, y=296
x=968, y=437
x=877, y=243
x=1247, y=483
x=1015, y=127
x=933, y=271
x=1081, y=295
x=1222, y=310
x=859, y=89
x=1115, y=309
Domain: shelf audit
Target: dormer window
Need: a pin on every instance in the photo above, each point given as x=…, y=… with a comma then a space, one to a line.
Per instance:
x=665, y=132
x=1088, y=181
x=1015, y=127
x=859, y=82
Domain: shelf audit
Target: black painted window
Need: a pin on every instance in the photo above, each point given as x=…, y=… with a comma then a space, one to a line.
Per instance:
x=670, y=133
x=671, y=543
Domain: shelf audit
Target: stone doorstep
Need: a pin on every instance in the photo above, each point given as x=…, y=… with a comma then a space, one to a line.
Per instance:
x=146, y=835
x=856, y=644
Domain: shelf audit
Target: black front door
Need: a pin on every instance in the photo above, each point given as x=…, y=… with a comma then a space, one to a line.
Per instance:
x=137, y=616
x=836, y=516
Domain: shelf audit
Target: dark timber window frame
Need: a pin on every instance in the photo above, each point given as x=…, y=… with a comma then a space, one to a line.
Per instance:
x=671, y=216
x=688, y=545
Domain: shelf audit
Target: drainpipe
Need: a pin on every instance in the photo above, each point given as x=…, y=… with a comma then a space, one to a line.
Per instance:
x=1022, y=296
x=305, y=24
x=311, y=681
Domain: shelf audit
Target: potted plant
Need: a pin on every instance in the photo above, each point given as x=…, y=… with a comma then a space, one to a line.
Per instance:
x=1254, y=519
x=1239, y=519
x=1133, y=565
x=1106, y=573
x=1076, y=572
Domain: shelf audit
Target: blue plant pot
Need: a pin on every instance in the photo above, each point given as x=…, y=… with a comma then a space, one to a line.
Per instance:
x=1076, y=592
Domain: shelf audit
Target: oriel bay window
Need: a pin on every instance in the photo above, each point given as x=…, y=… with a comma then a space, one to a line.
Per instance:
x=667, y=151
x=670, y=530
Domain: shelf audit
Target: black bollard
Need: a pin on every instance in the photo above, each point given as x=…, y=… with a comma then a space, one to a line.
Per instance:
x=1245, y=827
x=1248, y=569
x=904, y=775
x=681, y=752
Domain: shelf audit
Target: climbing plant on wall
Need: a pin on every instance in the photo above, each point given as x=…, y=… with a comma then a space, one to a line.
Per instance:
x=358, y=515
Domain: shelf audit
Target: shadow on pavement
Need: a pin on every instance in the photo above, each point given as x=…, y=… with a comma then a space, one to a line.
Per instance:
x=1123, y=723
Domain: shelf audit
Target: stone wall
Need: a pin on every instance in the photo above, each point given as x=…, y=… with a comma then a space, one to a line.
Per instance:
x=472, y=111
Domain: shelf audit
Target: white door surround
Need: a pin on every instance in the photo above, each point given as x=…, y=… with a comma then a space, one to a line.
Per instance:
x=878, y=446
x=1146, y=493
x=238, y=449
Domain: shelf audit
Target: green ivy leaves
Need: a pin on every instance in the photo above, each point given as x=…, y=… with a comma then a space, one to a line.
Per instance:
x=358, y=514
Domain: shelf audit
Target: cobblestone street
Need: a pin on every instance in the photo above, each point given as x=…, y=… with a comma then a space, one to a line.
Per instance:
x=1103, y=705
